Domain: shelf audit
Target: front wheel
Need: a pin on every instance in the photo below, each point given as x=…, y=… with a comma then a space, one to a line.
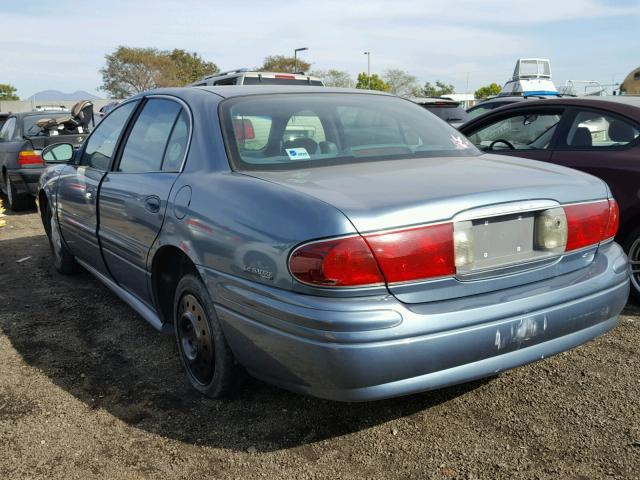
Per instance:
x=632, y=247
x=203, y=349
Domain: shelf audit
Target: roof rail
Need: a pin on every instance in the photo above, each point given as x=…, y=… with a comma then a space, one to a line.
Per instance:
x=220, y=74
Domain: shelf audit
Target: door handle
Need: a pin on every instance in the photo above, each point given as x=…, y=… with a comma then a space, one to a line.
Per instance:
x=152, y=204
x=89, y=192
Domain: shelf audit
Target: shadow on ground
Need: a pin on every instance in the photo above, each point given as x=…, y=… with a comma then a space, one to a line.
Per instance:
x=93, y=346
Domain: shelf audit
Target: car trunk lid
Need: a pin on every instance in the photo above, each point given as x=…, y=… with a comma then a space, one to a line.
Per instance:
x=497, y=194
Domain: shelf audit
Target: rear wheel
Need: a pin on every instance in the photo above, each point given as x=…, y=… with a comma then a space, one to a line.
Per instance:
x=16, y=201
x=63, y=260
x=632, y=247
x=203, y=349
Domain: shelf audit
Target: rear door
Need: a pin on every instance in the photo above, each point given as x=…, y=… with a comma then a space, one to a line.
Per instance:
x=522, y=132
x=133, y=196
x=78, y=186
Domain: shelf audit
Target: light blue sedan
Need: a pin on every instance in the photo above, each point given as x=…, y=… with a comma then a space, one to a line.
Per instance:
x=340, y=243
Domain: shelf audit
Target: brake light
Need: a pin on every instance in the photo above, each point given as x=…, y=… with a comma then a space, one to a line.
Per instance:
x=286, y=77
x=29, y=157
x=591, y=223
x=614, y=220
x=342, y=262
x=243, y=128
x=415, y=254
x=397, y=256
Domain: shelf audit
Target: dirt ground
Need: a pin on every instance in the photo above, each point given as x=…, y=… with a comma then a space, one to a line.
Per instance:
x=89, y=390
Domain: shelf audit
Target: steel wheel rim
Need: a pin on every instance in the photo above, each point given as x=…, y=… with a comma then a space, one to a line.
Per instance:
x=195, y=340
x=634, y=260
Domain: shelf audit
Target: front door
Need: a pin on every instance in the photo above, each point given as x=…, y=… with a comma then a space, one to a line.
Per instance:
x=78, y=187
x=526, y=132
x=134, y=194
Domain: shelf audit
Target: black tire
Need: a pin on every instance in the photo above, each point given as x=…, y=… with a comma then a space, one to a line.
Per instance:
x=204, y=351
x=631, y=246
x=16, y=202
x=63, y=260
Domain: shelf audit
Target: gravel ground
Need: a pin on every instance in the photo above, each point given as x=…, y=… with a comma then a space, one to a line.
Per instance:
x=89, y=390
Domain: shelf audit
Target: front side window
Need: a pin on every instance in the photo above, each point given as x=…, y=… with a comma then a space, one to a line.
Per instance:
x=101, y=145
x=287, y=131
x=598, y=130
x=530, y=131
x=145, y=147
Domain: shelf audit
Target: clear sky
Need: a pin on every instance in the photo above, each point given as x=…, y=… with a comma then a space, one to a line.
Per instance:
x=61, y=44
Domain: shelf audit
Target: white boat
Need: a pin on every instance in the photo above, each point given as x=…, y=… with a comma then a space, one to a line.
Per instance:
x=532, y=76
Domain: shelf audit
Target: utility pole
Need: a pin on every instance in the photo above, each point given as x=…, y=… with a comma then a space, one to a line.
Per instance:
x=368, y=54
x=295, y=57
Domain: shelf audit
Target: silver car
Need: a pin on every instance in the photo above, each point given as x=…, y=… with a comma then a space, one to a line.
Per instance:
x=343, y=244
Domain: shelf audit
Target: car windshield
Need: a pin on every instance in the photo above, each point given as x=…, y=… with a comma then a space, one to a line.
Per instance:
x=29, y=122
x=288, y=131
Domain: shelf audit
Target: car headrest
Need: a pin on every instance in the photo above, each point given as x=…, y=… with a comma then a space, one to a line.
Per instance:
x=309, y=144
x=582, y=138
x=621, y=132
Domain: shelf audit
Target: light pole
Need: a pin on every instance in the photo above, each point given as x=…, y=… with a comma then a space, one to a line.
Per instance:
x=368, y=54
x=295, y=57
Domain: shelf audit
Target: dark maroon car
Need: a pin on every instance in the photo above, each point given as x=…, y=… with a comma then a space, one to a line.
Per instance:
x=598, y=135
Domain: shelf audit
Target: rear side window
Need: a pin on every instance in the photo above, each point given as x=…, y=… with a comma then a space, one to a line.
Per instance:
x=597, y=130
x=145, y=147
x=8, y=129
x=101, y=144
x=177, y=146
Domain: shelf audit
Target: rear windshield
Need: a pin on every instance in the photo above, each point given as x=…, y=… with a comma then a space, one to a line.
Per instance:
x=288, y=131
x=449, y=113
x=29, y=122
x=280, y=81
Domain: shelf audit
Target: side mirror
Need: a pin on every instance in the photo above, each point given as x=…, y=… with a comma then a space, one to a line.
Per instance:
x=58, y=153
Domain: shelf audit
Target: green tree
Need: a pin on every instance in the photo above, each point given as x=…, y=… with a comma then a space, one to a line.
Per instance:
x=373, y=83
x=8, y=92
x=190, y=67
x=334, y=78
x=437, y=90
x=488, y=91
x=133, y=70
x=400, y=82
x=281, y=63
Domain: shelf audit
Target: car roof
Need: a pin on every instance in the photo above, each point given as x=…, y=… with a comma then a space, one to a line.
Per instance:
x=229, y=91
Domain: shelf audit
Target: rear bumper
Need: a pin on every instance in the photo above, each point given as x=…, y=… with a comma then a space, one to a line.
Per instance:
x=358, y=350
x=25, y=180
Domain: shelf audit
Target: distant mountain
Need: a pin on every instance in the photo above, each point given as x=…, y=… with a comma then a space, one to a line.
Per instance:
x=53, y=95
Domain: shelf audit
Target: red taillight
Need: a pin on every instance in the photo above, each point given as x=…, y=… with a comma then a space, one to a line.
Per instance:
x=343, y=262
x=243, y=128
x=398, y=256
x=591, y=223
x=614, y=220
x=415, y=254
x=286, y=77
x=29, y=157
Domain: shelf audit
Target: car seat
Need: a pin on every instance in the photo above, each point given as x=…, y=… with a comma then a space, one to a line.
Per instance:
x=582, y=138
x=621, y=132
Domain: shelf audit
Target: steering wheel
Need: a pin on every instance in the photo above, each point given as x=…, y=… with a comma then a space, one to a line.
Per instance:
x=508, y=144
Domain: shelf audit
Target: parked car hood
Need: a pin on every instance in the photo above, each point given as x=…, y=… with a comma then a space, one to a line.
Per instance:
x=386, y=194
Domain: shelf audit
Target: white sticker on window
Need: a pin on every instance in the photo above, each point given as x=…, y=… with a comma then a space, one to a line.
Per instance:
x=298, y=153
